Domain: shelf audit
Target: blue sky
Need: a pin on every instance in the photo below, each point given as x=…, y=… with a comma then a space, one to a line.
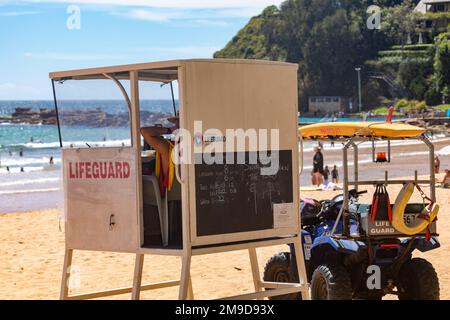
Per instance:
x=34, y=38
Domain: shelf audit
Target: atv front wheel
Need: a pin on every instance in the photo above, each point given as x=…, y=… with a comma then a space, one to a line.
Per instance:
x=418, y=281
x=278, y=269
x=331, y=283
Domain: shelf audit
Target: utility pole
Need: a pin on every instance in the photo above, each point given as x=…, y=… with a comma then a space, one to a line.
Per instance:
x=358, y=70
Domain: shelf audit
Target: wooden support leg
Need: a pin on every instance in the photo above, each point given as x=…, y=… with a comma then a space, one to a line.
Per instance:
x=190, y=290
x=185, y=277
x=64, y=293
x=137, y=278
x=255, y=269
x=303, y=279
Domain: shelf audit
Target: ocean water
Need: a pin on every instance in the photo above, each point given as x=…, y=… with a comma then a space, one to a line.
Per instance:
x=27, y=179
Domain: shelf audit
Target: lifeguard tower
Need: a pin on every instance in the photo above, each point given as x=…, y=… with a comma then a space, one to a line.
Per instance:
x=111, y=204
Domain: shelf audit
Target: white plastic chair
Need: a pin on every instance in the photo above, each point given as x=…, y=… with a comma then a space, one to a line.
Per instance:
x=162, y=209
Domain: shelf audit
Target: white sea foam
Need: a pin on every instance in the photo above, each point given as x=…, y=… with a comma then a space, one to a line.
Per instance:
x=26, y=169
x=12, y=192
x=444, y=151
x=75, y=144
x=399, y=155
x=27, y=182
x=367, y=145
x=339, y=164
x=21, y=162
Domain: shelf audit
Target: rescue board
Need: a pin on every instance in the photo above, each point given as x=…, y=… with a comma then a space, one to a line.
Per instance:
x=310, y=189
x=349, y=129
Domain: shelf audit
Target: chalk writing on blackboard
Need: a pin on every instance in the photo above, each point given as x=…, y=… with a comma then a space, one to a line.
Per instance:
x=234, y=198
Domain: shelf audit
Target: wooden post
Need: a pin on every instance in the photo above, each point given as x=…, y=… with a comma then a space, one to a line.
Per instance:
x=137, y=278
x=136, y=143
x=185, y=276
x=301, y=270
x=255, y=269
x=66, y=274
x=190, y=290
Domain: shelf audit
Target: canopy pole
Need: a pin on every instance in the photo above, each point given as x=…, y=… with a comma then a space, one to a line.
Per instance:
x=389, y=150
x=57, y=114
x=345, y=213
x=173, y=100
x=122, y=90
x=430, y=146
x=373, y=150
x=355, y=165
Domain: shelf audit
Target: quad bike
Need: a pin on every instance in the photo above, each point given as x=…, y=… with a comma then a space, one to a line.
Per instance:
x=364, y=251
x=341, y=268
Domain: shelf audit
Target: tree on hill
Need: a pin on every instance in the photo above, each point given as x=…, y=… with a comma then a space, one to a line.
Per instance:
x=400, y=21
x=439, y=81
x=257, y=39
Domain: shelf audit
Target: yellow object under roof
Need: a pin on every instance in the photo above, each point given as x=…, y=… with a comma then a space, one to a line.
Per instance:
x=360, y=129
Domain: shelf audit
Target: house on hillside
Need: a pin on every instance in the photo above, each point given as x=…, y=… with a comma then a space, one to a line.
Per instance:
x=425, y=6
x=436, y=15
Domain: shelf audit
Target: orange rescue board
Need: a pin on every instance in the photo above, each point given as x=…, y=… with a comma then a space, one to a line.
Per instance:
x=349, y=129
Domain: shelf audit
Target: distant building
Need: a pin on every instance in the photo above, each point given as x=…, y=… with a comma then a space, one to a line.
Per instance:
x=425, y=6
x=434, y=24
x=326, y=104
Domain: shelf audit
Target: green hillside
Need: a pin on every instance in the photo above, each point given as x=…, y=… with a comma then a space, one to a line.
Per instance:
x=329, y=38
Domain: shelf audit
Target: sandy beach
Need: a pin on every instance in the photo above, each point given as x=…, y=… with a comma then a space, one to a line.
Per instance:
x=31, y=254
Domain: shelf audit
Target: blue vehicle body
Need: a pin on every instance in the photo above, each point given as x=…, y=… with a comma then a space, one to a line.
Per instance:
x=319, y=247
x=352, y=259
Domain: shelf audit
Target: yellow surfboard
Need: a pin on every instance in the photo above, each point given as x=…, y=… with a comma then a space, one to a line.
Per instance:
x=349, y=129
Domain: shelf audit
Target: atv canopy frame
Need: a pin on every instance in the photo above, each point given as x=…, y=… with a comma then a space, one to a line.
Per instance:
x=351, y=133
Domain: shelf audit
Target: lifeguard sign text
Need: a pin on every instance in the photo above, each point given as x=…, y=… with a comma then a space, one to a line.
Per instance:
x=99, y=170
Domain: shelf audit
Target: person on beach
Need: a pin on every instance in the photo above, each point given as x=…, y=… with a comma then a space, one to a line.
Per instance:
x=313, y=178
x=318, y=166
x=335, y=175
x=446, y=180
x=326, y=174
x=51, y=160
x=437, y=164
x=7, y=168
x=21, y=152
x=21, y=169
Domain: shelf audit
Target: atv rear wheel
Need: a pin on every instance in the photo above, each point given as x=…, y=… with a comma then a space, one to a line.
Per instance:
x=331, y=283
x=418, y=281
x=278, y=269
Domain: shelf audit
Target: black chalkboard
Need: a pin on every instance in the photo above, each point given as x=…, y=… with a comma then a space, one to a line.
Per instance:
x=233, y=198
